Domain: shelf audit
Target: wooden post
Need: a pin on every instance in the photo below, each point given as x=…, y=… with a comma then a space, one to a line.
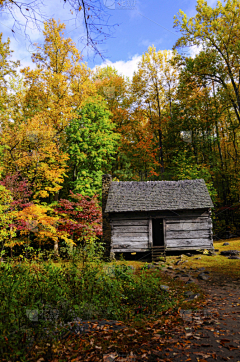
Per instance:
x=150, y=233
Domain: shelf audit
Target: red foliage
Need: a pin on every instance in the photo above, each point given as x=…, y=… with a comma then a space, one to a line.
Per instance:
x=19, y=190
x=80, y=218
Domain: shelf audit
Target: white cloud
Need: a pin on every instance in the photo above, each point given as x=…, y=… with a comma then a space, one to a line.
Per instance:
x=148, y=43
x=195, y=50
x=125, y=68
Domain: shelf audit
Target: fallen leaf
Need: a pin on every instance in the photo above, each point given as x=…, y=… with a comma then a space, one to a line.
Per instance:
x=196, y=337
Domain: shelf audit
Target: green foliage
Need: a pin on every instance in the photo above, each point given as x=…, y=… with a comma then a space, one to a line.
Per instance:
x=59, y=293
x=185, y=168
x=92, y=143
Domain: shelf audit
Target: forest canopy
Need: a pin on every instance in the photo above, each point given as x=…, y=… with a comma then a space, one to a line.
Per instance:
x=64, y=125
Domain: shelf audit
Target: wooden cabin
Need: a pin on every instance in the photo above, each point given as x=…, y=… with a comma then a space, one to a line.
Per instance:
x=156, y=215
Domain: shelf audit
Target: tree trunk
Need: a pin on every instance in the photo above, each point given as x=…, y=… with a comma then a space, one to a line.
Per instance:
x=56, y=247
x=161, y=154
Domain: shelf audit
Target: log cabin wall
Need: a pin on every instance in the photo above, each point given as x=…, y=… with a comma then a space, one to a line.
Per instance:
x=189, y=233
x=183, y=230
x=130, y=235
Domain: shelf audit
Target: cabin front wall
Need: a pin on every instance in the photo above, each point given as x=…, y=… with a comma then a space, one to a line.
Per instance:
x=183, y=230
x=188, y=233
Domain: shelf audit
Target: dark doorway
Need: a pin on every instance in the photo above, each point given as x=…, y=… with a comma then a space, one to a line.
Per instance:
x=158, y=236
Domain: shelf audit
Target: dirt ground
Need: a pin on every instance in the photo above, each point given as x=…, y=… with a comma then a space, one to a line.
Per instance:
x=208, y=334
x=213, y=334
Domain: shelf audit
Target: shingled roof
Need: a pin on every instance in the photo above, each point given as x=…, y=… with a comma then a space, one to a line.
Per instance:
x=157, y=195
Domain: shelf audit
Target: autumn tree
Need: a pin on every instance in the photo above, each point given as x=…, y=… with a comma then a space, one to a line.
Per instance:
x=80, y=217
x=115, y=89
x=6, y=219
x=217, y=31
x=8, y=68
x=154, y=85
x=35, y=219
x=53, y=92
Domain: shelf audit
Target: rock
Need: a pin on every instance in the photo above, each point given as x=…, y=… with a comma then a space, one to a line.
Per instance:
x=178, y=262
x=170, y=267
x=233, y=257
x=164, y=287
x=112, y=256
x=212, y=253
x=197, y=258
x=185, y=275
x=151, y=266
x=189, y=281
x=163, y=269
x=200, y=269
x=194, y=296
x=229, y=252
x=131, y=267
x=189, y=254
x=203, y=276
x=225, y=244
x=188, y=294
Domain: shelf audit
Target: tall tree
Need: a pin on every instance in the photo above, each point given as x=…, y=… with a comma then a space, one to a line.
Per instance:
x=53, y=92
x=217, y=31
x=91, y=145
x=155, y=85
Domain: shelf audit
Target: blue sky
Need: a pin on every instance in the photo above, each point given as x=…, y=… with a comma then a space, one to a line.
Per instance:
x=142, y=25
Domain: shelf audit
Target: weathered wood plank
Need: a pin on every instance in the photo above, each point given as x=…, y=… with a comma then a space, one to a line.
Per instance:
x=162, y=214
x=187, y=226
x=190, y=219
x=130, y=229
x=207, y=246
x=188, y=234
x=129, y=239
x=187, y=242
x=128, y=235
x=129, y=245
x=130, y=222
x=130, y=250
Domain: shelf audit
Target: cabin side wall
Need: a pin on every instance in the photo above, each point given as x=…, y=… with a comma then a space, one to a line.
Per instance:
x=184, y=230
x=129, y=235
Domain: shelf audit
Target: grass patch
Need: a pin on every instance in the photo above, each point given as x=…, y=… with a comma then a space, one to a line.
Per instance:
x=37, y=295
x=218, y=264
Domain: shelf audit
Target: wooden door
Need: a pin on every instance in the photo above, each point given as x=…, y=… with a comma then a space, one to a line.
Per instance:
x=157, y=232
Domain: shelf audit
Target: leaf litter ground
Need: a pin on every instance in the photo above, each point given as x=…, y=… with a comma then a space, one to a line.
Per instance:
x=206, y=328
